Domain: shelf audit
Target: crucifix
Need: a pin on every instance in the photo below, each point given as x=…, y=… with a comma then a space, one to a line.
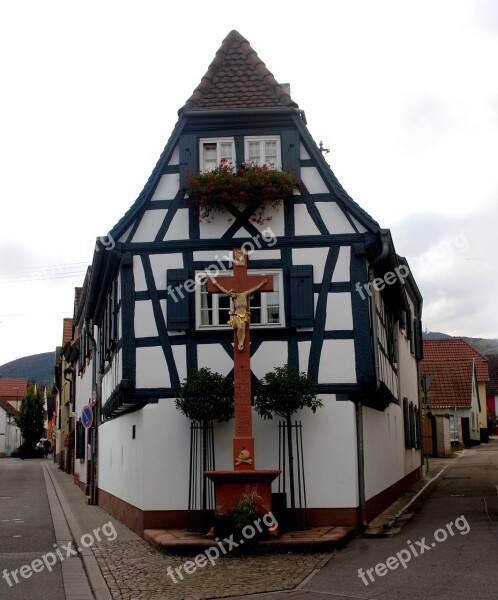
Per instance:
x=239, y=287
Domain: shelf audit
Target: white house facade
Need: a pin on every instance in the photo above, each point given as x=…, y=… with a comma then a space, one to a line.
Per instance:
x=345, y=309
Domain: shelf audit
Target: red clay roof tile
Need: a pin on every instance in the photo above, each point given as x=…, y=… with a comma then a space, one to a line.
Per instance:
x=237, y=78
x=450, y=362
x=13, y=389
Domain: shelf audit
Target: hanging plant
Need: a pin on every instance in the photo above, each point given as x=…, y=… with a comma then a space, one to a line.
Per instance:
x=265, y=187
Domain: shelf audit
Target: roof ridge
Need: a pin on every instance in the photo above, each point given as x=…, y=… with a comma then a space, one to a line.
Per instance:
x=238, y=59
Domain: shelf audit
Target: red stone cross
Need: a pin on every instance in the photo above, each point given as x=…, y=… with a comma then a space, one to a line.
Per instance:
x=241, y=283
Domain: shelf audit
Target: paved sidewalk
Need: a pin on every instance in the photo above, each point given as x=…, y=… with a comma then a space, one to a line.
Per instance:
x=128, y=568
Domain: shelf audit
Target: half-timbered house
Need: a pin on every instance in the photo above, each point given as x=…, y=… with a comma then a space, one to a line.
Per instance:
x=345, y=309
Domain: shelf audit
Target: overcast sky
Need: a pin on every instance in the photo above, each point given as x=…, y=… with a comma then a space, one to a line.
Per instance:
x=405, y=95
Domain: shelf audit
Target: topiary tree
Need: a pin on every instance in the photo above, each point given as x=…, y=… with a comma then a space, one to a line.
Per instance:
x=205, y=397
x=31, y=419
x=283, y=392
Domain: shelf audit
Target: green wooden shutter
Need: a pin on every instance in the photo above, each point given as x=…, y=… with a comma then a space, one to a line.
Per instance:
x=177, y=303
x=301, y=294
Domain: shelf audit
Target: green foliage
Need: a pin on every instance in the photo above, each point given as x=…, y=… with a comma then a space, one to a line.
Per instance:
x=283, y=392
x=206, y=396
x=245, y=512
x=31, y=417
x=249, y=183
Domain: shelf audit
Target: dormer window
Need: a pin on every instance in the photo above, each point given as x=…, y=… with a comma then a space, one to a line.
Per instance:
x=214, y=152
x=259, y=150
x=263, y=150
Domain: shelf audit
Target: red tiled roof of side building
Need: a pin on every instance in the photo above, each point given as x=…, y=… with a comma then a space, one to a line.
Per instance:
x=456, y=348
x=13, y=389
x=67, y=331
x=237, y=78
x=8, y=408
x=451, y=383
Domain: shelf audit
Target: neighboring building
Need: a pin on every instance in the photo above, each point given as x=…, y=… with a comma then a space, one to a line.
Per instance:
x=492, y=388
x=345, y=309
x=13, y=390
x=65, y=384
x=10, y=434
x=457, y=391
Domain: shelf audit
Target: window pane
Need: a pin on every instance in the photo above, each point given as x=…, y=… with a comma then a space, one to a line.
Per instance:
x=273, y=308
x=271, y=152
x=226, y=152
x=254, y=152
x=210, y=159
x=224, y=305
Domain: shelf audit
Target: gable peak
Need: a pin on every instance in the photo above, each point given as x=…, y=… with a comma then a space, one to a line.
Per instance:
x=236, y=79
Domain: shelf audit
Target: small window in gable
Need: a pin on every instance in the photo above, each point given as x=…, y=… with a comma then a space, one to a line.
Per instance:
x=214, y=152
x=263, y=150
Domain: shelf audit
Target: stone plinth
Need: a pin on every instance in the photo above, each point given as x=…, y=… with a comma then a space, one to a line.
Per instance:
x=230, y=486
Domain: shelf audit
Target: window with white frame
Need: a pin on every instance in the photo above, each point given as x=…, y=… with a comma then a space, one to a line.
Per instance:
x=263, y=150
x=213, y=310
x=215, y=151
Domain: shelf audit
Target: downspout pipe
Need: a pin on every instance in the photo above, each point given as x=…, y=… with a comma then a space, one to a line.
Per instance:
x=359, y=406
x=96, y=417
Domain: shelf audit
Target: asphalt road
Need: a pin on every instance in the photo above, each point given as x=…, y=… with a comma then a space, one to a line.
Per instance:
x=454, y=536
x=26, y=533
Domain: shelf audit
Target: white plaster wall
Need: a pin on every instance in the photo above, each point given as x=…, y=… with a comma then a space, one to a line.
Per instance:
x=152, y=369
x=166, y=453
x=337, y=362
x=268, y=356
x=384, y=449
x=304, y=355
x=168, y=187
x=339, y=311
x=313, y=181
x=160, y=263
x=329, y=448
x=359, y=226
x=304, y=224
x=303, y=155
x=315, y=257
x=180, y=357
x=145, y=324
x=178, y=229
x=121, y=459
x=83, y=396
x=175, y=157
x=149, y=225
x=138, y=275
x=212, y=356
x=342, y=271
x=334, y=218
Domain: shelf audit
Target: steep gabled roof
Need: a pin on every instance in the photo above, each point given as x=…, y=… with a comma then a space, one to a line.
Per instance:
x=8, y=408
x=451, y=364
x=13, y=388
x=237, y=78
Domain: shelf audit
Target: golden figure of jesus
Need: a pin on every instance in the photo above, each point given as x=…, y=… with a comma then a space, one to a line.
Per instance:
x=240, y=314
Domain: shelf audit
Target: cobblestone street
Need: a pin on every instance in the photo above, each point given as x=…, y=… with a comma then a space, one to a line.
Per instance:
x=135, y=571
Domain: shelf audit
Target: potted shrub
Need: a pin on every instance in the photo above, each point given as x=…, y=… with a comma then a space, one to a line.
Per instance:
x=283, y=392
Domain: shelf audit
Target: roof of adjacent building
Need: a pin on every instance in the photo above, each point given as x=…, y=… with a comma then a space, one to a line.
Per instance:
x=13, y=389
x=7, y=407
x=492, y=384
x=67, y=331
x=451, y=363
x=237, y=78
